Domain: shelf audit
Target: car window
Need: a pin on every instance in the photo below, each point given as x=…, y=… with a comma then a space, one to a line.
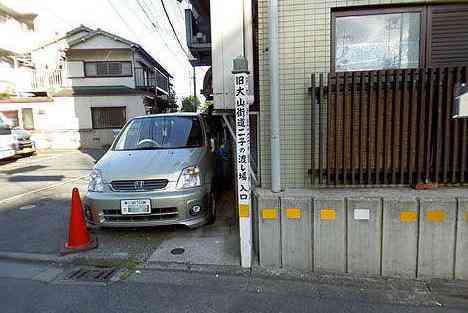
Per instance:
x=161, y=132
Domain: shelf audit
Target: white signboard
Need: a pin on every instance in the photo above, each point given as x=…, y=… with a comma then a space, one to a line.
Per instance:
x=241, y=92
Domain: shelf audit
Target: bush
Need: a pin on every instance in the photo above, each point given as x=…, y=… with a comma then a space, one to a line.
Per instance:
x=190, y=104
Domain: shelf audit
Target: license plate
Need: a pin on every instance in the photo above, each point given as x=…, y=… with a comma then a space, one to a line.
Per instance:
x=140, y=206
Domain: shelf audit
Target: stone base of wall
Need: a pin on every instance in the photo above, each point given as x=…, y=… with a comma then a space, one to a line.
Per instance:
x=388, y=232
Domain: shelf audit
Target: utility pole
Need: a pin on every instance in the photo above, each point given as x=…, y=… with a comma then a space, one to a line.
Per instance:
x=194, y=89
x=274, y=97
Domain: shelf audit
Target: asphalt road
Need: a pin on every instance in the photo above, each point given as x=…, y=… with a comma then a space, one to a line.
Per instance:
x=40, y=288
x=35, y=199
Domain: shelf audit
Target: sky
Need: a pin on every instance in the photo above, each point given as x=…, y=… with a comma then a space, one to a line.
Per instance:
x=141, y=21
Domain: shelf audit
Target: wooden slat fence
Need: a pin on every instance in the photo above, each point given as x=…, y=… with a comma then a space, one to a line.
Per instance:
x=388, y=127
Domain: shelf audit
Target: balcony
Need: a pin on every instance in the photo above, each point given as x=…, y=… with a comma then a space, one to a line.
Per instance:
x=46, y=80
x=151, y=80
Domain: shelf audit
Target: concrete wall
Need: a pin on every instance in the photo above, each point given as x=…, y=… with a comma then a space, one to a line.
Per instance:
x=393, y=233
x=231, y=31
x=65, y=122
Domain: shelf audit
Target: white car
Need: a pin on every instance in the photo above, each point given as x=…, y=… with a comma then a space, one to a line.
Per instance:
x=7, y=140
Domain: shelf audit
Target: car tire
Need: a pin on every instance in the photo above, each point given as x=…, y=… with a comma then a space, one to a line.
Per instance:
x=211, y=208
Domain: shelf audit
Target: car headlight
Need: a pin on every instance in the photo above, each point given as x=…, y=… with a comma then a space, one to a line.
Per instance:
x=190, y=177
x=95, y=181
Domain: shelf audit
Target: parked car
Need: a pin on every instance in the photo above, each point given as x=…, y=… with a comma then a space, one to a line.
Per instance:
x=160, y=170
x=6, y=139
x=22, y=142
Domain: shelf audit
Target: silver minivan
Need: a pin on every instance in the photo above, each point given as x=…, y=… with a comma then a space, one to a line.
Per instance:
x=160, y=170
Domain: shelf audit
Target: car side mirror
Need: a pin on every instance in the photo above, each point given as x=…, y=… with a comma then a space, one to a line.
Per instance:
x=212, y=145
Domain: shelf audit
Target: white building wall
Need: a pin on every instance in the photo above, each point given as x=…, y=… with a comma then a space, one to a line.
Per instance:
x=65, y=122
x=15, y=37
x=231, y=35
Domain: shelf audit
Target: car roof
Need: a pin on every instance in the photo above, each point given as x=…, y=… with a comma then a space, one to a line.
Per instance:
x=170, y=114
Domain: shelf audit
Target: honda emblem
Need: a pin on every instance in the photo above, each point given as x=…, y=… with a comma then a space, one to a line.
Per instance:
x=138, y=185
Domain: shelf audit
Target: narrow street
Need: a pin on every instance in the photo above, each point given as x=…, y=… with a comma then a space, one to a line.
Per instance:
x=28, y=287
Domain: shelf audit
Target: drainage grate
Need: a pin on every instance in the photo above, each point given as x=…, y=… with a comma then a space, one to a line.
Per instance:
x=92, y=275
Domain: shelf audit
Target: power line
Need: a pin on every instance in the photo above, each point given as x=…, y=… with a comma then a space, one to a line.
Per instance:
x=173, y=30
x=147, y=15
x=155, y=26
x=121, y=17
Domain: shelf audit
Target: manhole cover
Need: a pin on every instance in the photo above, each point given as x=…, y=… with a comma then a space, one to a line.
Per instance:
x=97, y=275
x=177, y=251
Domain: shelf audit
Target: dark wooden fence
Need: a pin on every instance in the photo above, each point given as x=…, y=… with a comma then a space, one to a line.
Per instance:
x=389, y=127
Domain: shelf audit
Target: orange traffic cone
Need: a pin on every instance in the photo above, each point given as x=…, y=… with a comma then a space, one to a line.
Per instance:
x=78, y=235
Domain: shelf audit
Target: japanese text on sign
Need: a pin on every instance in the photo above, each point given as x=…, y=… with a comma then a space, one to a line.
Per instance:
x=242, y=139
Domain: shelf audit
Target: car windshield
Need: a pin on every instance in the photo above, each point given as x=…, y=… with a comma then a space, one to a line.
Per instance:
x=161, y=132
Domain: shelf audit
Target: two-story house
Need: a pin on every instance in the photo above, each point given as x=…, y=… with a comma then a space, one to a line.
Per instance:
x=93, y=82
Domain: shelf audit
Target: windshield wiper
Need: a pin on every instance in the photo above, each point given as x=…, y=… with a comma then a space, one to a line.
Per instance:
x=145, y=148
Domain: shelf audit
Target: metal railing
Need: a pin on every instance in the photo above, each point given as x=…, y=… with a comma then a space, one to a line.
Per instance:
x=148, y=78
x=388, y=127
x=44, y=80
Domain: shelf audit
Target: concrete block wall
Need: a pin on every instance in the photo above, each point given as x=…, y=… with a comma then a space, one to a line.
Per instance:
x=403, y=234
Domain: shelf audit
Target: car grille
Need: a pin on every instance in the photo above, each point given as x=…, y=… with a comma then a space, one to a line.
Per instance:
x=139, y=185
x=114, y=215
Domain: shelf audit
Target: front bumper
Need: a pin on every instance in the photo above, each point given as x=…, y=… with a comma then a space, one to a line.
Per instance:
x=167, y=208
x=25, y=147
x=7, y=153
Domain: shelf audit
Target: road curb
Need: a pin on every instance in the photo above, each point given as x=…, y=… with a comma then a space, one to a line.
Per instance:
x=198, y=268
x=74, y=259
x=34, y=257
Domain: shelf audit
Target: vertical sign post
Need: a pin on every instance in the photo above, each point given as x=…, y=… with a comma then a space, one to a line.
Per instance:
x=241, y=93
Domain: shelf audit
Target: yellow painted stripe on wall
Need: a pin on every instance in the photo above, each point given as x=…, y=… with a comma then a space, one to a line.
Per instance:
x=293, y=213
x=244, y=210
x=327, y=214
x=408, y=216
x=435, y=216
x=269, y=214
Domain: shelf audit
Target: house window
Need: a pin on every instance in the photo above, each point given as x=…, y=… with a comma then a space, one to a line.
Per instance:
x=108, y=69
x=108, y=117
x=377, y=41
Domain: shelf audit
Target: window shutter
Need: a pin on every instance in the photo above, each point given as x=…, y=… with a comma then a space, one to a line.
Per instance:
x=448, y=37
x=115, y=68
x=102, y=69
x=108, y=117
